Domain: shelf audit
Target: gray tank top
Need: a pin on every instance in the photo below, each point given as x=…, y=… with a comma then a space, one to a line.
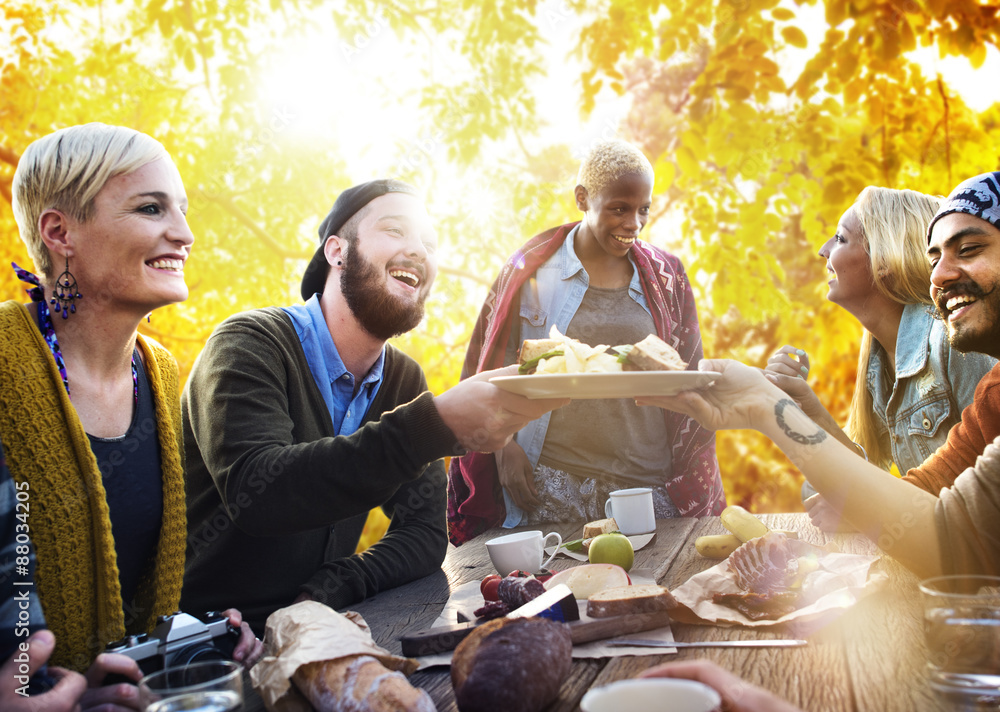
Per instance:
x=610, y=438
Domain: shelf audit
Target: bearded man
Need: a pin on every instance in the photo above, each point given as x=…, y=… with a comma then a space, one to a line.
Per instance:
x=963, y=246
x=299, y=420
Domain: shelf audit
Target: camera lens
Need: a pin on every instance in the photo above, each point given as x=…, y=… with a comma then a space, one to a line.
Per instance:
x=197, y=653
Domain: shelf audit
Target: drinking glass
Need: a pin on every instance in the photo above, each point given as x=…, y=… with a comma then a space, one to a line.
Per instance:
x=962, y=629
x=215, y=686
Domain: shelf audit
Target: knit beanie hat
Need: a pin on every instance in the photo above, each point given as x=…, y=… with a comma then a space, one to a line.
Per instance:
x=979, y=196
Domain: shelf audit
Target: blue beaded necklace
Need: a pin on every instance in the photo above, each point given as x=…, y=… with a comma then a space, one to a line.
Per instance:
x=37, y=294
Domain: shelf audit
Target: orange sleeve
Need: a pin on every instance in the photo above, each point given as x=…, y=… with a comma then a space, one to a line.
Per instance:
x=980, y=424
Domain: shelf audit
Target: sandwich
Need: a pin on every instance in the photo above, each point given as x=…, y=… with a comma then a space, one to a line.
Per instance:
x=533, y=351
x=561, y=354
x=652, y=354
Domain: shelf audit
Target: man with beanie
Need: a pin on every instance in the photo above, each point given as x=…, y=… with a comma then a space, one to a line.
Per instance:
x=964, y=251
x=298, y=421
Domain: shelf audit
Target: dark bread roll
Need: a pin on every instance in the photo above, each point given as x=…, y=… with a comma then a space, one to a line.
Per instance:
x=511, y=664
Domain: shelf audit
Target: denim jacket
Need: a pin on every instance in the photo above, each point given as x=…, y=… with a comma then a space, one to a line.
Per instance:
x=933, y=384
x=552, y=298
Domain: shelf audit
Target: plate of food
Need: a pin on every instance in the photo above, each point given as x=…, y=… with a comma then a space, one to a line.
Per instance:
x=561, y=367
x=583, y=386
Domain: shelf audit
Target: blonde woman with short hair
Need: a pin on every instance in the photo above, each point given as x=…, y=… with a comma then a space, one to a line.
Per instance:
x=89, y=409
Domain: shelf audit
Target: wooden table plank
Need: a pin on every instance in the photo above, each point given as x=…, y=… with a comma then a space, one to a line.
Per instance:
x=888, y=677
x=793, y=674
x=870, y=658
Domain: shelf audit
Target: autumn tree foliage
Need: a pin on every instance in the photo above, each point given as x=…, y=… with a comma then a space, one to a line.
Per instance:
x=760, y=132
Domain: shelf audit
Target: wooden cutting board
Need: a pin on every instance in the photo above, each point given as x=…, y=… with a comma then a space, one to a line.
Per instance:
x=584, y=630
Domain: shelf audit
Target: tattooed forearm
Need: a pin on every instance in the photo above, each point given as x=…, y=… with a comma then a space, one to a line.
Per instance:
x=779, y=409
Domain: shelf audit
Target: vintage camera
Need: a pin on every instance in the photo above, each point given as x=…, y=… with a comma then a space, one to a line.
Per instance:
x=180, y=639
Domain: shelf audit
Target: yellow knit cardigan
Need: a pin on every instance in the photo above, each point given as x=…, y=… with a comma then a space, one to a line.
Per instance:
x=46, y=446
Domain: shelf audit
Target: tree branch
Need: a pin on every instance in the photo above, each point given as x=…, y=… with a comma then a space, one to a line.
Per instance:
x=927, y=145
x=8, y=156
x=456, y=272
x=947, y=136
x=249, y=223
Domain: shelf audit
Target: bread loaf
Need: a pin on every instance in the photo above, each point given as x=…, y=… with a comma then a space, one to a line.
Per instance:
x=624, y=600
x=360, y=684
x=511, y=664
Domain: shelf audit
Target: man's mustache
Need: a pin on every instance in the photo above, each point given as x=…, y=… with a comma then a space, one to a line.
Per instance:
x=941, y=296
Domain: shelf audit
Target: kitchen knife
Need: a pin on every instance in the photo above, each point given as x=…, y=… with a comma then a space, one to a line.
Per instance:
x=558, y=604
x=645, y=643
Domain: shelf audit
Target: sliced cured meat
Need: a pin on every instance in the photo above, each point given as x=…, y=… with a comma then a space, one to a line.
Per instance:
x=760, y=606
x=766, y=564
x=516, y=591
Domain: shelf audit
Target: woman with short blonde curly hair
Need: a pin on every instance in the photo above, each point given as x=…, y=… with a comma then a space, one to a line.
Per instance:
x=596, y=281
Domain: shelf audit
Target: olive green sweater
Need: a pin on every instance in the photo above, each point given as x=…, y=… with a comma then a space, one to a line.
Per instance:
x=260, y=443
x=67, y=513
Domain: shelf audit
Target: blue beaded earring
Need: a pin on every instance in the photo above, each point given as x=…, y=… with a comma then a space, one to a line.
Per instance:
x=65, y=292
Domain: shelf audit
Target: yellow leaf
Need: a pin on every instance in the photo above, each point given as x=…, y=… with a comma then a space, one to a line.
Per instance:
x=977, y=56
x=836, y=12
x=664, y=173
x=687, y=162
x=696, y=143
x=763, y=65
x=783, y=14
x=794, y=36
x=737, y=93
x=909, y=41
x=852, y=91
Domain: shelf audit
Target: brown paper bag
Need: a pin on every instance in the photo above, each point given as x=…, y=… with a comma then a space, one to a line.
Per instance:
x=309, y=632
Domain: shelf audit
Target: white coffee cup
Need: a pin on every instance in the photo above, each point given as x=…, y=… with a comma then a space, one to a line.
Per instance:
x=632, y=510
x=652, y=695
x=521, y=551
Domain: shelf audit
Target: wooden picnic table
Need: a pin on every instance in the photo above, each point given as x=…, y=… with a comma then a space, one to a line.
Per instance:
x=871, y=657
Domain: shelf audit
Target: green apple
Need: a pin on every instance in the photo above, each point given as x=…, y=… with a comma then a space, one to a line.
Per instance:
x=613, y=548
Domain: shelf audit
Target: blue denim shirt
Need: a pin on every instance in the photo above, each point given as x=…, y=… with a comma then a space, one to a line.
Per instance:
x=551, y=299
x=335, y=382
x=933, y=384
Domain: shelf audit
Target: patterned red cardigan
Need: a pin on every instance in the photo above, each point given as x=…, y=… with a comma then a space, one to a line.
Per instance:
x=475, y=500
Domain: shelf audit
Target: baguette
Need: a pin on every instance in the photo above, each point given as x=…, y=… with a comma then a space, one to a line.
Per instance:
x=359, y=683
x=625, y=600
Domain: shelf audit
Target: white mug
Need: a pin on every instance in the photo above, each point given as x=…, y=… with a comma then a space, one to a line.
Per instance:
x=651, y=694
x=521, y=551
x=632, y=510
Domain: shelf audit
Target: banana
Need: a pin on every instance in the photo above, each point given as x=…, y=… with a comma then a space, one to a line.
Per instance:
x=717, y=546
x=741, y=523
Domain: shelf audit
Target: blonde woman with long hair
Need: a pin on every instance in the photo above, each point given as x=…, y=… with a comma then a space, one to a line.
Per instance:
x=911, y=385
